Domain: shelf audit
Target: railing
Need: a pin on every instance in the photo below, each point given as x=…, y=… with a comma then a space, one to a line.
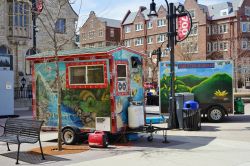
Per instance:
x=21, y=93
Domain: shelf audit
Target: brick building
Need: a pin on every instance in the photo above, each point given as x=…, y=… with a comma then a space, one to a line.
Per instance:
x=16, y=32
x=220, y=31
x=99, y=32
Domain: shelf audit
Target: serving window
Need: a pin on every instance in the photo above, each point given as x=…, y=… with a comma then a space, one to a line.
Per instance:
x=122, y=78
x=86, y=75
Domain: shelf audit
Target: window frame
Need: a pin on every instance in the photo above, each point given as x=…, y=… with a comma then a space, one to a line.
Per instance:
x=161, y=22
x=149, y=23
x=58, y=29
x=122, y=62
x=86, y=86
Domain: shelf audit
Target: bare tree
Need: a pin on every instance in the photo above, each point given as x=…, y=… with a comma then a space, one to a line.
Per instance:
x=186, y=49
x=53, y=10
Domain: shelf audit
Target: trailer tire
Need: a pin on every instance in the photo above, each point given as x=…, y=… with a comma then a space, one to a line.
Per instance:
x=69, y=136
x=215, y=114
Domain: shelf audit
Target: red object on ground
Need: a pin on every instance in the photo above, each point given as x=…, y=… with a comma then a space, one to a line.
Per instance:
x=98, y=139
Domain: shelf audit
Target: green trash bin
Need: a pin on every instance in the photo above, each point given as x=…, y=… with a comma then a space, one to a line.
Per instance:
x=238, y=106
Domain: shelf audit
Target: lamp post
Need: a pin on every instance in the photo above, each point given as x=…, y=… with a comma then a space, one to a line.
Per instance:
x=34, y=15
x=172, y=41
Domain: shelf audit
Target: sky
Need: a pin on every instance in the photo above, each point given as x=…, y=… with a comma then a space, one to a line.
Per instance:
x=116, y=9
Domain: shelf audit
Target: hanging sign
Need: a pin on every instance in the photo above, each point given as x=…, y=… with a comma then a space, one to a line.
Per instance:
x=184, y=25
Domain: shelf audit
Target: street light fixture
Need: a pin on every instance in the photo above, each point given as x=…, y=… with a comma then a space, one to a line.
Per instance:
x=172, y=41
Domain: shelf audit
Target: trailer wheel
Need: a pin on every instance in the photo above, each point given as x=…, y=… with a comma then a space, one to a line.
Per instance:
x=69, y=136
x=216, y=114
x=150, y=138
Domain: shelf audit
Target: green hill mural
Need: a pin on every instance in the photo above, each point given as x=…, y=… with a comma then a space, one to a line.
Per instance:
x=217, y=83
x=191, y=80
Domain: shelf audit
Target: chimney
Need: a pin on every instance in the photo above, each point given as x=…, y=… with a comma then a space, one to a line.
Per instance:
x=91, y=13
x=142, y=8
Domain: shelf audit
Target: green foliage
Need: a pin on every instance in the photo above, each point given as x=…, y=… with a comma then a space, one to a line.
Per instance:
x=191, y=80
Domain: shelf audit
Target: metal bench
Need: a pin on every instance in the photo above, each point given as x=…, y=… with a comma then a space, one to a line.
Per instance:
x=19, y=131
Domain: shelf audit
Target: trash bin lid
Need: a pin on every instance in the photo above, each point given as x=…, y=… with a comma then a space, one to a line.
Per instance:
x=193, y=105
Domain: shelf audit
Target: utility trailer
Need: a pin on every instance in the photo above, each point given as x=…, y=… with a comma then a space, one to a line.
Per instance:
x=211, y=82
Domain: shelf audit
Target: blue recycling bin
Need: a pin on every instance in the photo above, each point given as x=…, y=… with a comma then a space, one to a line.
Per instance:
x=191, y=116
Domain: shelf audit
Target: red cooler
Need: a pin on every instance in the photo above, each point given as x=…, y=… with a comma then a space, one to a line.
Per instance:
x=98, y=139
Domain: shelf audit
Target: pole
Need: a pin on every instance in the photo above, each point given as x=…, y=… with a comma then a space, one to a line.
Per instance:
x=34, y=24
x=171, y=40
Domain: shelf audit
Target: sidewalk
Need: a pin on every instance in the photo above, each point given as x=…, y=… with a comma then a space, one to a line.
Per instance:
x=226, y=144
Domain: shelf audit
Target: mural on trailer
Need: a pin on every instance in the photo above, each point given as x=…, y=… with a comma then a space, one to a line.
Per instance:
x=79, y=106
x=133, y=82
x=210, y=81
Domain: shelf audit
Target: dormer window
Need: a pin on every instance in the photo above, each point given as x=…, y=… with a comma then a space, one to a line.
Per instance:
x=225, y=12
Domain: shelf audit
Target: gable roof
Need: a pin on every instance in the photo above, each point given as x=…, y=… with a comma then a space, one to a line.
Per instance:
x=214, y=11
x=110, y=22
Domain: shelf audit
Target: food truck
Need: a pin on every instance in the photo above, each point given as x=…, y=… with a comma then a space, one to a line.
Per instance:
x=210, y=81
x=98, y=85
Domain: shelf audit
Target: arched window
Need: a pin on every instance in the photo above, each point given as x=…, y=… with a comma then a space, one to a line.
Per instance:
x=30, y=51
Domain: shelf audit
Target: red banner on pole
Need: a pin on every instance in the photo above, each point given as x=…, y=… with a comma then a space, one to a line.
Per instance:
x=184, y=25
x=39, y=6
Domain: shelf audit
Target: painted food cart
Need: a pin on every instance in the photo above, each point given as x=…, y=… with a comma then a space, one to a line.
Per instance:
x=97, y=84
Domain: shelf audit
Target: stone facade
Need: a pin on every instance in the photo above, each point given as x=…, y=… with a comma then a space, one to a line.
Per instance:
x=99, y=32
x=17, y=36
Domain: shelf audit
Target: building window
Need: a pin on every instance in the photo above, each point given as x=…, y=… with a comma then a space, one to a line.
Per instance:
x=223, y=46
x=223, y=28
x=244, y=44
x=91, y=34
x=112, y=32
x=86, y=75
x=138, y=27
x=100, y=33
x=160, y=38
x=209, y=47
x=209, y=30
x=244, y=27
x=247, y=11
x=91, y=45
x=192, y=13
x=215, y=46
x=127, y=29
x=84, y=36
x=193, y=48
x=149, y=54
x=127, y=43
x=215, y=29
x=149, y=39
x=194, y=30
x=138, y=41
x=19, y=14
x=100, y=44
x=161, y=22
x=60, y=25
x=149, y=25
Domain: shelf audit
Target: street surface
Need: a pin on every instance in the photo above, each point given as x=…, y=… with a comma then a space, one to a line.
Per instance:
x=222, y=144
